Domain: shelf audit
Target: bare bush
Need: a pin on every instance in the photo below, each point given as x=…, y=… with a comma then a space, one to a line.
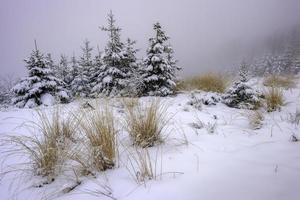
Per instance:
x=294, y=118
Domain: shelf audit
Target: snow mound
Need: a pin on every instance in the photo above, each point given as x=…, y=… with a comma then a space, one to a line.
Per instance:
x=47, y=99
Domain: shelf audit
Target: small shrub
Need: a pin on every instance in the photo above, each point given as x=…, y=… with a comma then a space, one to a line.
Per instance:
x=294, y=138
x=210, y=127
x=209, y=82
x=294, y=118
x=99, y=130
x=274, y=98
x=280, y=81
x=146, y=123
x=195, y=102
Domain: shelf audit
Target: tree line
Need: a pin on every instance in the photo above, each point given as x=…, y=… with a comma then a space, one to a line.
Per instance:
x=114, y=72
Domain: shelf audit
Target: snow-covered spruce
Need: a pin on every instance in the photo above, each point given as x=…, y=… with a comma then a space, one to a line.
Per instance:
x=40, y=86
x=159, y=67
x=268, y=65
x=65, y=72
x=80, y=84
x=95, y=79
x=134, y=82
x=241, y=95
x=6, y=84
x=114, y=72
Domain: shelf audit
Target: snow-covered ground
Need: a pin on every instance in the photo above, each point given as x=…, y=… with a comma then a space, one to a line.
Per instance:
x=233, y=162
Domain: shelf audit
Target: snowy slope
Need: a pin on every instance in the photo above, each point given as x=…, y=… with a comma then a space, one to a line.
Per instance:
x=234, y=162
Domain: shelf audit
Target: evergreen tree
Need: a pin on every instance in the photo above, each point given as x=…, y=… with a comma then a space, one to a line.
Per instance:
x=268, y=65
x=74, y=72
x=6, y=84
x=130, y=55
x=241, y=94
x=63, y=68
x=291, y=55
x=52, y=66
x=40, y=87
x=95, y=71
x=114, y=72
x=159, y=68
x=291, y=59
x=287, y=59
x=80, y=84
x=134, y=85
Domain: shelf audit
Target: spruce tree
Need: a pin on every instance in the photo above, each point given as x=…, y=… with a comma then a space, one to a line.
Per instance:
x=241, y=94
x=80, y=84
x=63, y=67
x=52, y=66
x=134, y=83
x=74, y=72
x=159, y=68
x=113, y=75
x=95, y=80
x=40, y=86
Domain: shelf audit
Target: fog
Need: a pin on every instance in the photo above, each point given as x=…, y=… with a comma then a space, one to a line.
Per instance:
x=205, y=34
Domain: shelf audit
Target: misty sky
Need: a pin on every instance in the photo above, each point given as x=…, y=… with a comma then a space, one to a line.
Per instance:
x=205, y=34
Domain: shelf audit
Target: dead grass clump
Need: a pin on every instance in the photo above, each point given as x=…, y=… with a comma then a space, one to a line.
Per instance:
x=255, y=119
x=99, y=129
x=274, y=98
x=209, y=82
x=141, y=167
x=47, y=146
x=283, y=81
x=145, y=123
x=130, y=102
x=181, y=85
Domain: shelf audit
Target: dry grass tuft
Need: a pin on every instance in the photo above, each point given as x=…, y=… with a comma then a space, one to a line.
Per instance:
x=130, y=102
x=283, y=81
x=255, y=119
x=274, y=98
x=99, y=129
x=209, y=82
x=146, y=123
x=48, y=145
x=141, y=168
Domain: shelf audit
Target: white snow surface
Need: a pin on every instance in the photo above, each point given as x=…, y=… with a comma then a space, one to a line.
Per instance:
x=233, y=163
x=47, y=99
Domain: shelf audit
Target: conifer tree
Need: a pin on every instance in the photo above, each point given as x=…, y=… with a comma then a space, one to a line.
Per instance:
x=40, y=86
x=74, y=72
x=114, y=72
x=80, y=84
x=134, y=85
x=241, y=94
x=63, y=67
x=52, y=66
x=159, y=68
x=95, y=72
